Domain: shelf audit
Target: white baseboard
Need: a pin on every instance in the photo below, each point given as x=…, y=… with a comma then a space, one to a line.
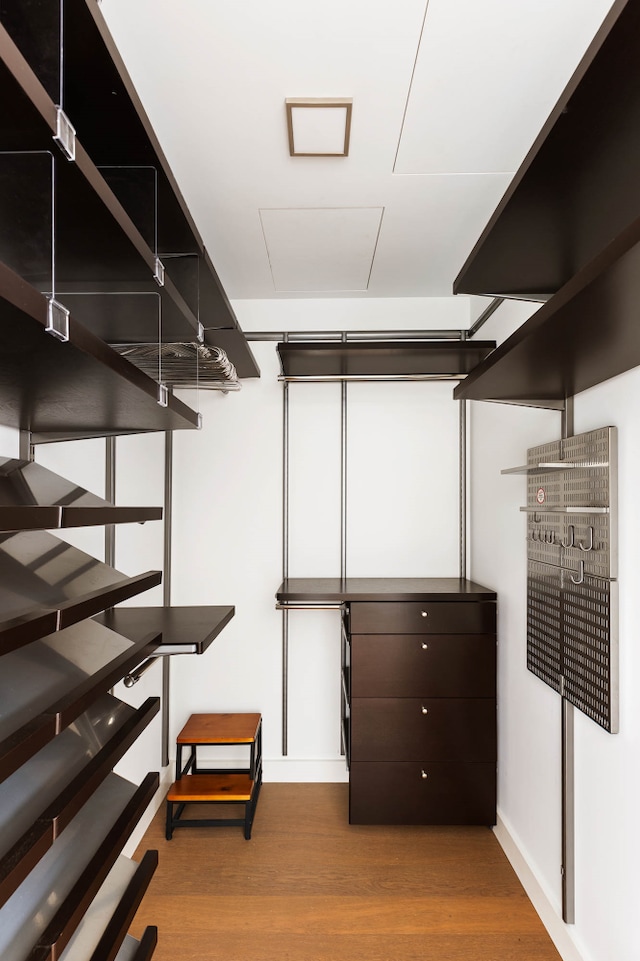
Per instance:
x=558, y=931
x=291, y=769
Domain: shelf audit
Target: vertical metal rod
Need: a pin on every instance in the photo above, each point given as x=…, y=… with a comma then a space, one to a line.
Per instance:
x=568, y=755
x=25, y=450
x=343, y=484
x=166, y=585
x=285, y=566
x=110, y=495
x=463, y=488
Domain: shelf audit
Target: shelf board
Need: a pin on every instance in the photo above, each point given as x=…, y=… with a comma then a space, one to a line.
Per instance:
x=586, y=333
x=34, y=498
x=185, y=630
x=310, y=590
x=39, y=800
x=553, y=219
x=66, y=672
x=568, y=228
x=103, y=928
x=551, y=468
x=80, y=388
x=564, y=510
x=40, y=918
x=43, y=578
x=381, y=358
x=142, y=950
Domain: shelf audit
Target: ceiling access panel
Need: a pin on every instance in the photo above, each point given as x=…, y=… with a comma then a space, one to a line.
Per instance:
x=578, y=186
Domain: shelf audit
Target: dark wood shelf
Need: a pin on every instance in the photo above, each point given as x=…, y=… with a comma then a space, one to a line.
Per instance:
x=99, y=837
x=310, y=590
x=47, y=584
x=587, y=333
x=115, y=931
x=107, y=225
x=553, y=219
x=381, y=358
x=34, y=498
x=567, y=232
x=79, y=388
x=133, y=950
x=185, y=630
x=49, y=790
x=66, y=672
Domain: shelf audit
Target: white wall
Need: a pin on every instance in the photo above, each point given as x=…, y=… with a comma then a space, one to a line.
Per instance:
x=607, y=775
x=402, y=509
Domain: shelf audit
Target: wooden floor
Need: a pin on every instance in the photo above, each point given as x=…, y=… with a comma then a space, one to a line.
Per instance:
x=310, y=887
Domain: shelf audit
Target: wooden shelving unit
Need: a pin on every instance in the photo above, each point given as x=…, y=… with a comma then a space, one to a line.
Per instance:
x=97, y=247
x=567, y=232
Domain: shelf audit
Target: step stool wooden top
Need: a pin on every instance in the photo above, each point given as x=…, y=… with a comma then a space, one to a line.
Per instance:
x=220, y=729
x=211, y=787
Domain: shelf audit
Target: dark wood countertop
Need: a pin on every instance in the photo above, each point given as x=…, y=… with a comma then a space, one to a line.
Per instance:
x=318, y=590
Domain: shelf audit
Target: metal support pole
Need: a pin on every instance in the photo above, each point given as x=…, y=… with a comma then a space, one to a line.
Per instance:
x=166, y=586
x=26, y=451
x=568, y=755
x=110, y=495
x=285, y=566
x=343, y=479
x=463, y=488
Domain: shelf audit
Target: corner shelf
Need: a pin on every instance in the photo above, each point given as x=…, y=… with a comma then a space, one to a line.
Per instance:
x=567, y=232
x=380, y=359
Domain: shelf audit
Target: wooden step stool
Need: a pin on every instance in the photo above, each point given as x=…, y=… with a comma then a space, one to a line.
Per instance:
x=197, y=785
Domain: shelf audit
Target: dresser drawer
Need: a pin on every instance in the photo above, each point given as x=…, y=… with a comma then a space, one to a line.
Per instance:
x=391, y=617
x=415, y=729
x=423, y=665
x=422, y=793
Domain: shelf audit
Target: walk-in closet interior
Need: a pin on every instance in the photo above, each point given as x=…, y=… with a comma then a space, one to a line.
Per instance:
x=339, y=434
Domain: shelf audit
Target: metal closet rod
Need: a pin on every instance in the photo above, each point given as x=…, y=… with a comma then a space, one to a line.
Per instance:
x=365, y=378
x=338, y=336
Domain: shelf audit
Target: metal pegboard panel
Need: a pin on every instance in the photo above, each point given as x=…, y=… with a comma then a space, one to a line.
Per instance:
x=572, y=566
x=544, y=492
x=590, y=650
x=544, y=623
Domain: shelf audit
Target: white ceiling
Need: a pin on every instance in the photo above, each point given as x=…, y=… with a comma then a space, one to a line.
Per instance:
x=448, y=96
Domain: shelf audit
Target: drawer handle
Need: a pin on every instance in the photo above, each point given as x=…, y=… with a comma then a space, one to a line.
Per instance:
x=424, y=646
x=425, y=710
x=424, y=775
x=424, y=613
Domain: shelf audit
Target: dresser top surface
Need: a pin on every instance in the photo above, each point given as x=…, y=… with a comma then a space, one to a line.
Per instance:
x=335, y=589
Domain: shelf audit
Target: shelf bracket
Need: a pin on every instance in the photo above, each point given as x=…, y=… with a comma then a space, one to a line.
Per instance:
x=65, y=135
x=57, y=320
x=158, y=274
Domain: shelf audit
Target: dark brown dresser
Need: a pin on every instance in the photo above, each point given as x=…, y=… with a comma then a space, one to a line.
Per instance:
x=419, y=696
